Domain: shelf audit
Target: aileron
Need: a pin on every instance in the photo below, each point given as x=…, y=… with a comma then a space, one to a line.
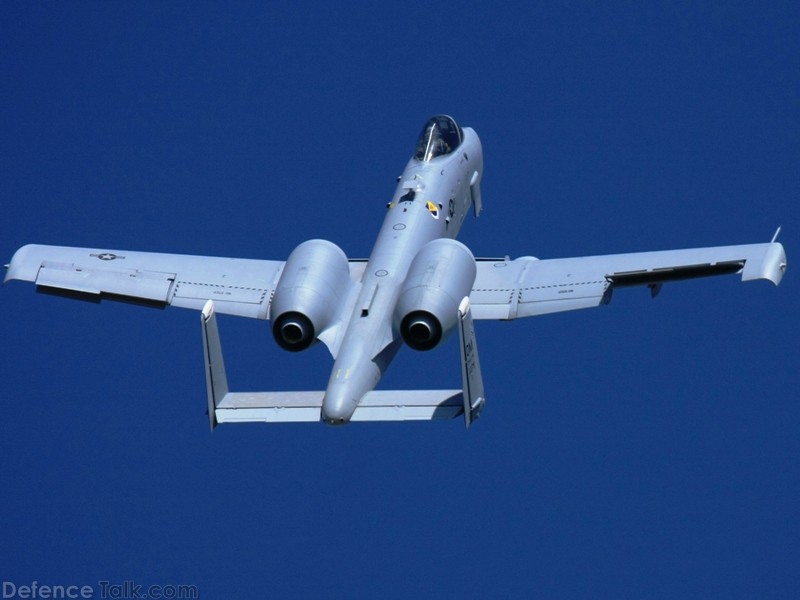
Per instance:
x=665, y=274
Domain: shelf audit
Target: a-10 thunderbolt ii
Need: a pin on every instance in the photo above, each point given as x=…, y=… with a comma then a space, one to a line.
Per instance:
x=418, y=285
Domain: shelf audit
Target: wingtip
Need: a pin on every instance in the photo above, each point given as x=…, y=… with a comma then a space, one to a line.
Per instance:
x=24, y=264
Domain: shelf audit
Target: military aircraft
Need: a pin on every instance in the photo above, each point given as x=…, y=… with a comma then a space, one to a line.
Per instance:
x=418, y=285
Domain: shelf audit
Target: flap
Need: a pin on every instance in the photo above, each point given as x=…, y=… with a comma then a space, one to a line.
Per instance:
x=121, y=283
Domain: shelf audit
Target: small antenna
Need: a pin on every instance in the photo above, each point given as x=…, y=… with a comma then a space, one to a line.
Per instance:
x=775, y=237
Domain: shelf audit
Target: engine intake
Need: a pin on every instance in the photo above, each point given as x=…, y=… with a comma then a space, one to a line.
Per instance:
x=439, y=277
x=308, y=295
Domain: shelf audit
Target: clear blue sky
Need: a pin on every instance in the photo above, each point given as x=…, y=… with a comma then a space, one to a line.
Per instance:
x=647, y=449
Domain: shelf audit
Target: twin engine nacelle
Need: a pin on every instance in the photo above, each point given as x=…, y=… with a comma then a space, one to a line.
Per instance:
x=309, y=293
x=439, y=277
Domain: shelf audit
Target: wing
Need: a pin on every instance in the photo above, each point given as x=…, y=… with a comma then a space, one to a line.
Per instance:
x=526, y=286
x=238, y=286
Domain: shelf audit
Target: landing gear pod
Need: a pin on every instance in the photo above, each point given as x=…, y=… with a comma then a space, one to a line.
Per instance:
x=308, y=295
x=441, y=274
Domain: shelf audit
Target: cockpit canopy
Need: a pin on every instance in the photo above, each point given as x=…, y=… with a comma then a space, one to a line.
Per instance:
x=440, y=135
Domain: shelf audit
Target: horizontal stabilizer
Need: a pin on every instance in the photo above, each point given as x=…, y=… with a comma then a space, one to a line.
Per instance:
x=269, y=407
x=378, y=405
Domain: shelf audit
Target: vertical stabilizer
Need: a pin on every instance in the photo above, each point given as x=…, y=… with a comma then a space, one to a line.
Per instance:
x=216, y=381
x=470, y=365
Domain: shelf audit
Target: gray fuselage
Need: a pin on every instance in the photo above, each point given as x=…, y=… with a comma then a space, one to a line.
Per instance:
x=431, y=201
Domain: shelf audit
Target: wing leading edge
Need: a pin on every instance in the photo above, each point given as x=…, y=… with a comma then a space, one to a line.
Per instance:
x=526, y=287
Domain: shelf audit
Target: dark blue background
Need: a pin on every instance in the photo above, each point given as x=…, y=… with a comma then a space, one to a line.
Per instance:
x=648, y=449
